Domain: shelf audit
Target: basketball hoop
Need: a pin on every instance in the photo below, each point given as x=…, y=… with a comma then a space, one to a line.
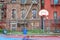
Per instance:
x=43, y=12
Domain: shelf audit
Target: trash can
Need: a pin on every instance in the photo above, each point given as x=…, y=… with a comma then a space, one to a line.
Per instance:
x=25, y=31
x=4, y=31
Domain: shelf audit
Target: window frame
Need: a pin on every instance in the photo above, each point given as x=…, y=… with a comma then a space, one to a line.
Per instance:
x=34, y=13
x=14, y=12
x=13, y=1
x=56, y=2
x=23, y=13
x=13, y=27
x=1, y=14
x=55, y=15
x=23, y=1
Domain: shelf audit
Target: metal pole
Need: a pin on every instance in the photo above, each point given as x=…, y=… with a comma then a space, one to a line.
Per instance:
x=42, y=23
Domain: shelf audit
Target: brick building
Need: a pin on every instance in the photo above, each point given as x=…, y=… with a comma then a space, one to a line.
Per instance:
x=19, y=13
x=53, y=7
x=16, y=14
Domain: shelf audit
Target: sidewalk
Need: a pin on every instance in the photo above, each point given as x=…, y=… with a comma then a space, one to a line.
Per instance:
x=43, y=34
x=30, y=36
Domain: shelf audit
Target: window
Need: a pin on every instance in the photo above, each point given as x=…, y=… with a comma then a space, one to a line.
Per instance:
x=42, y=2
x=55, y=1
x=14, y=13
x=34, y=1
x=34, y=13
x=1, y=14
x=23, y=1
x=13, y=1
x=23, y=12
x=1, y=5
x=13, y=26
x=55, y=15
x=18, y=24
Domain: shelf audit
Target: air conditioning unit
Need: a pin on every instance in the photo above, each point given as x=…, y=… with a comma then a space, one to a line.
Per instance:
x=34, y=1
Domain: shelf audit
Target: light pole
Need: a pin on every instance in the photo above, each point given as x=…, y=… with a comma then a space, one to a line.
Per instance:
x=43, y=13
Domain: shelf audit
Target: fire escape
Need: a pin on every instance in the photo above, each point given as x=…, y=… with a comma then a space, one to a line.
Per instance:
x=2, y=13
x=28, y=21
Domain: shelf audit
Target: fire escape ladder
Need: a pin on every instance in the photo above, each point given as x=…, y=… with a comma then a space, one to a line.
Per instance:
x=28, y=11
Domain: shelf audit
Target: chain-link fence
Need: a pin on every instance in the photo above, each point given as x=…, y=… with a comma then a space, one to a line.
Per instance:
x=32, y=26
